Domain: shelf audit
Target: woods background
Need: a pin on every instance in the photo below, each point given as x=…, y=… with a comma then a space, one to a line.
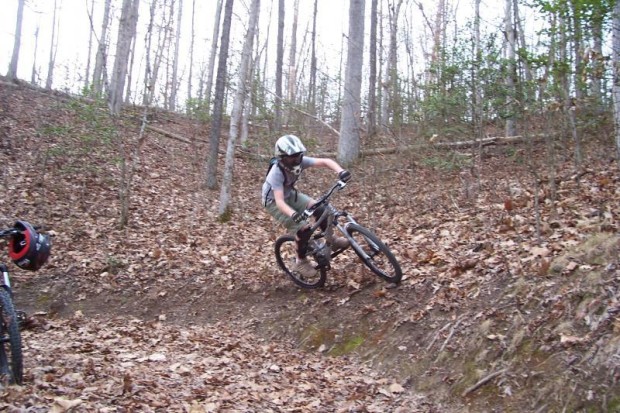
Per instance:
x=395, y=72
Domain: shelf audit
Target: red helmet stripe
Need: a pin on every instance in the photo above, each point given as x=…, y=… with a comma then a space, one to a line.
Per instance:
x=19, y=255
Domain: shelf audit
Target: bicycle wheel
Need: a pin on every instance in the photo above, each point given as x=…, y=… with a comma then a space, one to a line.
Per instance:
x=286, y=254
x=374, y=253
x=11, y=367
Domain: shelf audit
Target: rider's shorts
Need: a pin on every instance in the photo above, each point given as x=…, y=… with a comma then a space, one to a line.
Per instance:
x=296, y=200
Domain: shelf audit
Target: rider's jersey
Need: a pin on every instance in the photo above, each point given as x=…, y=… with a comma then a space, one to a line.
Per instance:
x=281, y=178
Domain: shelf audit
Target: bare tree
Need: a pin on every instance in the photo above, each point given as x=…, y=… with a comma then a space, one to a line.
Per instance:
x=277, y=121
x=616, y=73
x=349, y=142
x=218, y=103
x=244, y=75
x=12, y=73
x=212, y=54
x=509, y=28
x=99, y=72
x=372, y=77
x=174, y=82
x=126, y=33
x=191, y=52
x=292, y=62
x=162, y=45
x=312, y=82
x=34, y=74
x=53, y=49
x=390, y=84
x=90, y=44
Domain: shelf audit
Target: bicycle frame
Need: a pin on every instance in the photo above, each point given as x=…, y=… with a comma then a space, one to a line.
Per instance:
x=6, y=281
x=332, y=214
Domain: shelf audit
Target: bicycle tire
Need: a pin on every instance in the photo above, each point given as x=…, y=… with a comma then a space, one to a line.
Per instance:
x=286, y=253
x=11, y=361
x=374, y=253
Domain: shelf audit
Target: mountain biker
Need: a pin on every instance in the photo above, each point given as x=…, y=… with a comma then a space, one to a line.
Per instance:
x=286, y=204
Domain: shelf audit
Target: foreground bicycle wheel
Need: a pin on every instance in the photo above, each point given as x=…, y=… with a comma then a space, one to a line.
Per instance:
x=286, y=253
x=374, y=253
x=11, y=367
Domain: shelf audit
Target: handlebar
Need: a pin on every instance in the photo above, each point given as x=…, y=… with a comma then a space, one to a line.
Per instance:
x=324, y=198
x=8, y=232
x=4, y=233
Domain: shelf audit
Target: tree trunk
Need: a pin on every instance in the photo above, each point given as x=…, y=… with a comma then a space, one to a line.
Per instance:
x=218, y=103
x=277, y=122
x=616, y=74
x=34, y=74
x=191, y=53
x=152, y=70
x=91, y=10
x=53, y=49
x=392, y=98
x=292, y=59
x=372, y=77
x=244, y=75
x=12, y=73
x=126, y=33
x=312, y=83
x=476, y=84
x=598, y=65
x=349, y=142
x=510, y=68
x=100, y=73
x=212, y=54
x=174, y=82
x=132, y=59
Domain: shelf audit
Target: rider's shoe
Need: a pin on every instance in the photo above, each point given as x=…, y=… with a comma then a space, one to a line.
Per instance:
x=304, y=268
x=338, y=243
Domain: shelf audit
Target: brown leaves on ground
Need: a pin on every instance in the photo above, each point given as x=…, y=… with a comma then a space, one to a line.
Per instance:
x=128, y=364
x=512, y=268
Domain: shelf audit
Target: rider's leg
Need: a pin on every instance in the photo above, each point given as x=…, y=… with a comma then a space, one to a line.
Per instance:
x=302, y=237
x=335, y=242
x=298, y=201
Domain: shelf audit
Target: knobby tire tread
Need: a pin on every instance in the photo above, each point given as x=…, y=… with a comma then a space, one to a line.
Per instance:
x=366, y=233
x=10, y=346
x=322, y=276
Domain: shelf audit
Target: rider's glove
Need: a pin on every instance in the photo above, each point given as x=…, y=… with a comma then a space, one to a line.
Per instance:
x=297, y=217
x=344, y=175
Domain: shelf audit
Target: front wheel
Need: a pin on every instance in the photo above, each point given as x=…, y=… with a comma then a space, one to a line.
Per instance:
x=286, y=255
x=11, y=367
x=374, y=253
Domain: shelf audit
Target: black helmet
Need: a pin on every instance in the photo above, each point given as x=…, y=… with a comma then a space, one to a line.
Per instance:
x=28, y=249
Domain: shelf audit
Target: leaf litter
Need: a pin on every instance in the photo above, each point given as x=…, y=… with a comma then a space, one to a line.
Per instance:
x=179, y=311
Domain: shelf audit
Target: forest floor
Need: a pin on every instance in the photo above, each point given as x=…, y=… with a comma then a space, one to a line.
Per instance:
x=509, y=301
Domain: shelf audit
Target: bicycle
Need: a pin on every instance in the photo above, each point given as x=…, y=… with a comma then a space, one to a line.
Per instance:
x=11, y=368
x=29, y=250
x=369, y=248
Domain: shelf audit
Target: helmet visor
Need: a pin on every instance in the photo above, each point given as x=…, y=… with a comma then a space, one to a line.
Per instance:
x=291, y=161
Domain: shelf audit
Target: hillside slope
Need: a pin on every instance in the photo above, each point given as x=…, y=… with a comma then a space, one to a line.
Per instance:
x=509, y=302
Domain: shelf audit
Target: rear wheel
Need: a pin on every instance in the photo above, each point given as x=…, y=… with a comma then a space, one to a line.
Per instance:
x=286, y=255
x=374, y=253
x=11, y=367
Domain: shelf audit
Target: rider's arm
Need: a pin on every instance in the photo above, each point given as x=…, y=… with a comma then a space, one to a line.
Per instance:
x=328, y=163
x=278, y=195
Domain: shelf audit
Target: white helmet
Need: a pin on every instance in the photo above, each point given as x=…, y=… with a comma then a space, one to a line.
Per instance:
x=290, y=152
x=288, y=145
